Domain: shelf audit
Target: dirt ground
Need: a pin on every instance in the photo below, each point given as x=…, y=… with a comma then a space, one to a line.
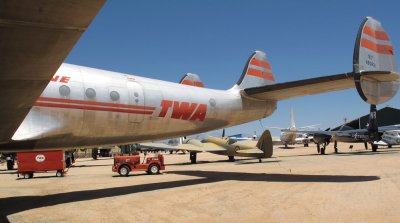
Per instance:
x=296, y=185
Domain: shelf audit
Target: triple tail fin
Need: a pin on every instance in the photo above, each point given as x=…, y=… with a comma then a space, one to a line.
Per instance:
x=265, y=144
x=292, y=124
x=374, y=53
x=257, y=72
x=191, y=79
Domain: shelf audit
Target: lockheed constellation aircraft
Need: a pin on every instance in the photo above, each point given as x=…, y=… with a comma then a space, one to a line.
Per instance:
x=48, y=104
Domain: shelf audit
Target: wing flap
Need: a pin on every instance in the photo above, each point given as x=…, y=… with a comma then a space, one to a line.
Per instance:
x=35, y=38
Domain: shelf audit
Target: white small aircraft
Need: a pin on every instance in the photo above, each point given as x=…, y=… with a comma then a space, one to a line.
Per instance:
x=288, y=137
x=391, y=138
x=51, y=105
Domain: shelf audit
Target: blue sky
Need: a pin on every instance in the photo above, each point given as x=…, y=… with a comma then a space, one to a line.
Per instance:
x=302, y=39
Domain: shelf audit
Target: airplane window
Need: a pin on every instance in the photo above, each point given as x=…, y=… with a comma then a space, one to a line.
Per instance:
x=90, y=93
x=114, y=95
x=64, y=90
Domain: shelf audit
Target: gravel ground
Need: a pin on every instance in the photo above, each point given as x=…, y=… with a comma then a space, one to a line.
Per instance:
x=296, y=185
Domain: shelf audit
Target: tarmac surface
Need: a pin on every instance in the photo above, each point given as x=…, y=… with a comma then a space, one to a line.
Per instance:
x=296, y=185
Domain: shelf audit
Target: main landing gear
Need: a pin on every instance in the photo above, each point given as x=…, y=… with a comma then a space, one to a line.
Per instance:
x=321, y=149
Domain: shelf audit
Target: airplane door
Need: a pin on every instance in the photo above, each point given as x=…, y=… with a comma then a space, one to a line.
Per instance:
x=136, y=97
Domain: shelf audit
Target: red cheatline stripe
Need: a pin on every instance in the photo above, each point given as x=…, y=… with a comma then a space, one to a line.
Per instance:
x=72, y=101
x=193, y=83
x=381, y=35
x=260, y=63
x=92, y=108
x=260, y=73
x=378, y=48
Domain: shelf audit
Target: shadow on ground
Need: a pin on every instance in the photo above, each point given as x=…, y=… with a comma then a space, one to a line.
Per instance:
x=12, y=205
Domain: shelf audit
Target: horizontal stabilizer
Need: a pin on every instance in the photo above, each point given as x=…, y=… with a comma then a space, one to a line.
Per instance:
x=374, y=72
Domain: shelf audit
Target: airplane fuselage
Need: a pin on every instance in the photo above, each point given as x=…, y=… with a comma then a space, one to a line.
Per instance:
x=83, y=107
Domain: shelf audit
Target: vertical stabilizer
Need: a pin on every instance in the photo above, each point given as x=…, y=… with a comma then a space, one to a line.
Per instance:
x=292, y=124
x=374, y=54
x=257, y=72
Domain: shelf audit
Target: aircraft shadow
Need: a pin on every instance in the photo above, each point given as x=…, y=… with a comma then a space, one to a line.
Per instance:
x=12, y=205
x=94, y=165
x=10, y=172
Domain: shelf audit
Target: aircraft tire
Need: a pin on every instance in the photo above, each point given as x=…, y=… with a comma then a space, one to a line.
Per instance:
x=154, y=169
x=231, y=158
x=318, y=149
x=389, y=146
x=124, y=170
x=10, y=164
x=323, y=150
x=193, y=158
x=374, y=148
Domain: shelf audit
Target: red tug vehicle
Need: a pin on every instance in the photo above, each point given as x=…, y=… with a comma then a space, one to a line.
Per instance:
x=125, y=164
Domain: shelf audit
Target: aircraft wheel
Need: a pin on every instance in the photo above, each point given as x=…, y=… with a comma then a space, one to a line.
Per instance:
x=260, y=160
x=193, y=157
x=30, y=175
x=123, y=170
x=318, y=148
x=154, y=169
x=10, y=164
x=389, y=146
x=25, y=175
x=323, y=150
x=374, y=148
x=231, y=158
x=305, y=144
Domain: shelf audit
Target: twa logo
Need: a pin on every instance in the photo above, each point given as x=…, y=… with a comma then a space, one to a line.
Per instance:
x=184, y=110
x=61, y=79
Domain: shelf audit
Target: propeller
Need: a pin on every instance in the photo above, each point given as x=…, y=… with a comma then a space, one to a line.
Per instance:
x=223, y=133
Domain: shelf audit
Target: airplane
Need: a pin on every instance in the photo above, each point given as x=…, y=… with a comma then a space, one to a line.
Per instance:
x=54, y=105
x=371, y=134
x=391, y=137
x=291, y=138
x=227, y=146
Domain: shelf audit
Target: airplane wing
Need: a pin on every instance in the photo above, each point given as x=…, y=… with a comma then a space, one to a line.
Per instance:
x=204, y=147
x=294, y=89
x=35, y=38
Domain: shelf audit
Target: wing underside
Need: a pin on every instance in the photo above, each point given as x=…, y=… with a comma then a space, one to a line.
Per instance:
x=35, y=38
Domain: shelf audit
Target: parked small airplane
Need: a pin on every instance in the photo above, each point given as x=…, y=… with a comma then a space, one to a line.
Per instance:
x=51, y=105
x=290, y=137
x=391, y=137
x=261, y=148
x=371, y=134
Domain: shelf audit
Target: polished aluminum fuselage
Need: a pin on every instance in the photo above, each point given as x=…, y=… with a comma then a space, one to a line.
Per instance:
x=84, y=107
